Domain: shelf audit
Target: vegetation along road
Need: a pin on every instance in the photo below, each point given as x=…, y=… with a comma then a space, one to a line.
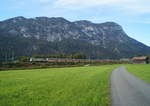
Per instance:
x=128, y=90
x=142, y=71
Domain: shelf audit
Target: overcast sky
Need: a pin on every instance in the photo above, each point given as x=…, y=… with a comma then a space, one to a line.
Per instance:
x=132, y=15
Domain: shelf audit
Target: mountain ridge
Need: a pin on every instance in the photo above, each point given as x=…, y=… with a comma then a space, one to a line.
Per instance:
x=44, y=36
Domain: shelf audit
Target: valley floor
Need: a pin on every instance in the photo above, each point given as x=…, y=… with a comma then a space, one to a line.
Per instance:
x=78, y=86
x=73, y=86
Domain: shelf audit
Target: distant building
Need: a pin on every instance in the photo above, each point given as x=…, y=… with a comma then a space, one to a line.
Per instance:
x=38, y=59
x=124, y=59
x=140, y=60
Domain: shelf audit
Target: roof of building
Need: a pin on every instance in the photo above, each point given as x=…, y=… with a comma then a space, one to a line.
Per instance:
x=140, y=58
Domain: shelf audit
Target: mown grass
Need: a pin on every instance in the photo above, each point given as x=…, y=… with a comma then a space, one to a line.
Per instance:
x=78, y=86
x=142, y=71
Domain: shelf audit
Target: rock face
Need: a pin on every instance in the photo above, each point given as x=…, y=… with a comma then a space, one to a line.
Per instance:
x=42, y=35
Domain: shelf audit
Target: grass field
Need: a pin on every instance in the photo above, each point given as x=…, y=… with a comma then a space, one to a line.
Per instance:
x=78, y=86
x=142, y=71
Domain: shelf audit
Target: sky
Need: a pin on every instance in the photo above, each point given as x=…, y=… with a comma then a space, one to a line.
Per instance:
x=132, y=15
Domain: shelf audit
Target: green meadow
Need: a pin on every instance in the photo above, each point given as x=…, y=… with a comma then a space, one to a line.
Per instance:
x=142, y=71
x=77, y=86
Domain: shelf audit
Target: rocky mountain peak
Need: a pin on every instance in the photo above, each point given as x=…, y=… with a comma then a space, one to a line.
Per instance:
x=52, y=20
x=83, y=22
x=19, y=18
x=83, y=36
x=112, y=25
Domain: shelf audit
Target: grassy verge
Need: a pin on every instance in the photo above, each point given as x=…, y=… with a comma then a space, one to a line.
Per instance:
x=140, y=70
x=78, y=86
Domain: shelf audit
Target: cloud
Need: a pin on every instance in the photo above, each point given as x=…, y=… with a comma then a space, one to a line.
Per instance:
x=78, y=4
x=137, y=6
x=42, y=1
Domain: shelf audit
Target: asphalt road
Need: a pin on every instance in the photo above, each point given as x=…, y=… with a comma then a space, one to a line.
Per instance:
x=128, y=90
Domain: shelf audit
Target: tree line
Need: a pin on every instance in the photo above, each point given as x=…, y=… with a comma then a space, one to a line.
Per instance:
x=56, y=56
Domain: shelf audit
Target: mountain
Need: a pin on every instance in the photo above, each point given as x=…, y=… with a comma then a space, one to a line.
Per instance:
x=21, y=36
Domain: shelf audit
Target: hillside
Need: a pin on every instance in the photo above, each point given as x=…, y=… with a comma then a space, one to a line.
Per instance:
x=21, y=36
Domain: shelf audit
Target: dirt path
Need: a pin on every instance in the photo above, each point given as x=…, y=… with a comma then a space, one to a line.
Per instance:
x=127, y=90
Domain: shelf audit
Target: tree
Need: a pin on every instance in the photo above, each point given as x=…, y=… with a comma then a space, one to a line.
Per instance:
x=79, y=56
x=24, y=59
x=148, y=59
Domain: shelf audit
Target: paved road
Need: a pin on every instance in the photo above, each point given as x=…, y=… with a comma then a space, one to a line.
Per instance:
x=127, y=90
